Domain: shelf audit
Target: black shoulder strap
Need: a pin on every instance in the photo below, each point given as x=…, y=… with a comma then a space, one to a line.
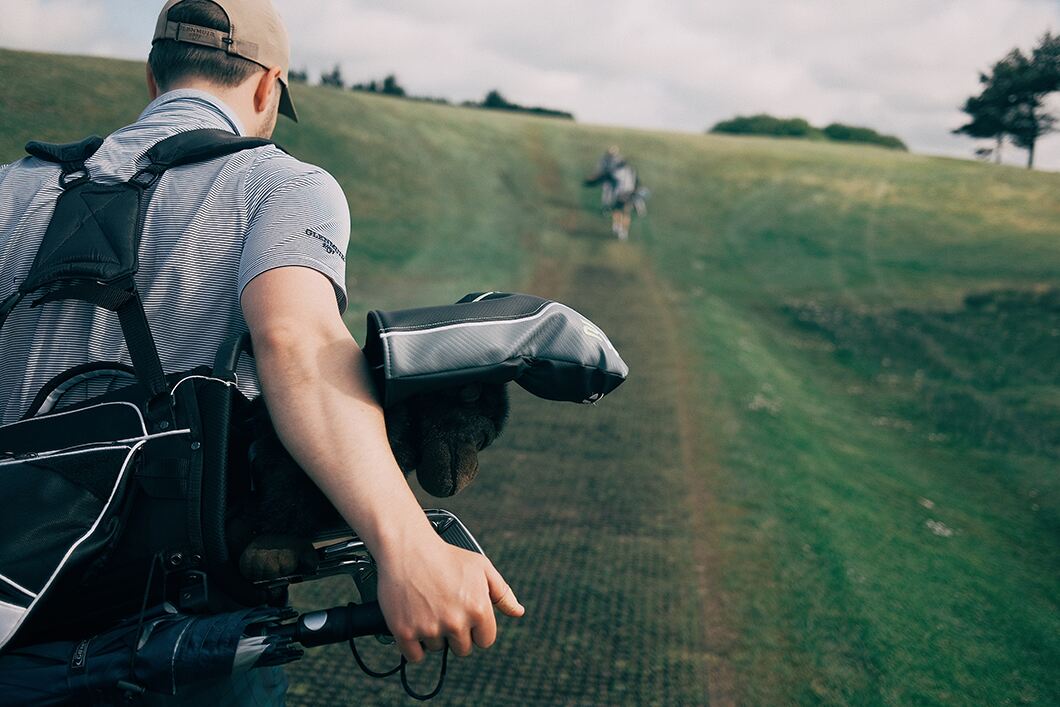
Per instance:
x=191, y=147
x=199, y=146
x=90, y=250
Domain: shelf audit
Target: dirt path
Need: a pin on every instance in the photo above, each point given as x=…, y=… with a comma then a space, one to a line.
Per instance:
x=597, y=516
x=698, y=460
x=627, y=264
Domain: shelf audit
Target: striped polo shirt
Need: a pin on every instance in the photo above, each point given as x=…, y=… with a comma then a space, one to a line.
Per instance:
x=210, y=229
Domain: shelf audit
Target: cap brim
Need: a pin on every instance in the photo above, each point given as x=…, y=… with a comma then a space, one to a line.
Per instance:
x=286, y=105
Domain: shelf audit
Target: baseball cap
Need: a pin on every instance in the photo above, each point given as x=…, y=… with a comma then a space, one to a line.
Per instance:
x=256, y=33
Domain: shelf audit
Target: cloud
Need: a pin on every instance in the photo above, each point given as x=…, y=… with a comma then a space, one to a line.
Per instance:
x=51, y=25
x=901, y=66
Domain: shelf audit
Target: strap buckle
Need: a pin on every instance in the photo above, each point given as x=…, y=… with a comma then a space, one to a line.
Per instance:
x=72, y=178
x=145, y=177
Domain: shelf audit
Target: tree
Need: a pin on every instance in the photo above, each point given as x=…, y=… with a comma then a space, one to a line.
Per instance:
x=1046, y=62
x=1029, y=120
x=391, y=87
x=298, y=76
x=494, y=99
x=388, y=86
x=366, y=87
x=1012, y=101
x=333, y=78
x=987, y=120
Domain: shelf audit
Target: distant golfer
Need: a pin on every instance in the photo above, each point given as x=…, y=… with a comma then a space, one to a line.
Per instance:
x=621, y=190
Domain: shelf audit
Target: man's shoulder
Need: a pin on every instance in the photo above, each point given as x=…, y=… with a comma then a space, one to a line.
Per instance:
x=27, y=165
x=272, y=163
x=22, y=179
x=272, y=170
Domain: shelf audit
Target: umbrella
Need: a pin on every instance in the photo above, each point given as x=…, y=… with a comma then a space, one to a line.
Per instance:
x=160, y=653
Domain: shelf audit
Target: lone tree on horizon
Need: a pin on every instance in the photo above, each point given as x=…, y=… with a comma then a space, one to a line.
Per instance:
x=1012, y=101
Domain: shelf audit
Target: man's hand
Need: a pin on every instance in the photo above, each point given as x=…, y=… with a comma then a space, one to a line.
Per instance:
x=412, y=583
x=319, y=395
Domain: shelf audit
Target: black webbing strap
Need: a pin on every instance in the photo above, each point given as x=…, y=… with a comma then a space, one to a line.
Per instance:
x=126, y=302
x=106, y=296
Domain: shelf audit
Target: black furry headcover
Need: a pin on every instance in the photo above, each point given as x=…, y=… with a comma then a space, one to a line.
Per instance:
x=440, y=434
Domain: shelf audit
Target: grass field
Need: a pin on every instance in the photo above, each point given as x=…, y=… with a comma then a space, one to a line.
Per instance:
x=832, y=477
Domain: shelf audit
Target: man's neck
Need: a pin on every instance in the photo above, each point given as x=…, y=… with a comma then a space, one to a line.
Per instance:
x=238, y=99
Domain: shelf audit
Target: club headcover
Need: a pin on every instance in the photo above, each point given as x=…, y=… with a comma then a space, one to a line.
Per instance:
x=491, y=337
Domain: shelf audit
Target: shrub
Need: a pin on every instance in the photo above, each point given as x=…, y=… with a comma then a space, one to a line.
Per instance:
x=764, y=124
x=853, y=133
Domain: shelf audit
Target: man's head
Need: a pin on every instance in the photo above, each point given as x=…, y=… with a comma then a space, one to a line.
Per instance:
x=237, y=49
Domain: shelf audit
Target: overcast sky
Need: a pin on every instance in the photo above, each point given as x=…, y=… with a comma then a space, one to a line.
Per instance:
x=900, y=66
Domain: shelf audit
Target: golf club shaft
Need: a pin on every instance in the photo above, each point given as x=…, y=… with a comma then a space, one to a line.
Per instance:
x=335, y=625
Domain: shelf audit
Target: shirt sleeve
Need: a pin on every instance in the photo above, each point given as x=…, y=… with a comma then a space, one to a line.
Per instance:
x=300, y=218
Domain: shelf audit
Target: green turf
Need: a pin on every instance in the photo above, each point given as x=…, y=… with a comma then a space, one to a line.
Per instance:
x=871, y=343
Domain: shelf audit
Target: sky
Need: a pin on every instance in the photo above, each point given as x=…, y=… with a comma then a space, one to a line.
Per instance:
x=900, y=66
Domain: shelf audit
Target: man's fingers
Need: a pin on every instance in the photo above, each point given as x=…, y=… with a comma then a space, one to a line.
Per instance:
x=433, y=645
x=467, y=623
x=509, y=605
x=411, y=649
x=501, y=594
x=485, y=633
x=460, y=643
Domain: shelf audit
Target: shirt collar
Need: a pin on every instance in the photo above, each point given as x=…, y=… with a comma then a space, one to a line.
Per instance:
x=210, y=106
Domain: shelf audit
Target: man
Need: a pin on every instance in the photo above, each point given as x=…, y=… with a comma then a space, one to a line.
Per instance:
x=602, y=175
x=250, y=241
x=621, y=191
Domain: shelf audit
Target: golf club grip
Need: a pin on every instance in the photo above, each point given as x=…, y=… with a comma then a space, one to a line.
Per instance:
x=339, y=624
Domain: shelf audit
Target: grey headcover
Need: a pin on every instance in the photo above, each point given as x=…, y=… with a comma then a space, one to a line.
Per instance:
x=544, y=346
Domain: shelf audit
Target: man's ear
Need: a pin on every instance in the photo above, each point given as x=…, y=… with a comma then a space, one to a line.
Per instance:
x=267, y=83
x=152, y=85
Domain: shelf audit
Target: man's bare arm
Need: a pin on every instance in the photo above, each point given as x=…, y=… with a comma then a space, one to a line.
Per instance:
x=319, y=396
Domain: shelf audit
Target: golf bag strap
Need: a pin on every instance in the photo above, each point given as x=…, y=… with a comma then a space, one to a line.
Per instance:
x=190, y=147
x=125, y=302
x=78, y=271
x=177, y=150
x=70, y=157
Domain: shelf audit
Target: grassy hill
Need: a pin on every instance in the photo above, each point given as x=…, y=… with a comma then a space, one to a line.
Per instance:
x=832, y=477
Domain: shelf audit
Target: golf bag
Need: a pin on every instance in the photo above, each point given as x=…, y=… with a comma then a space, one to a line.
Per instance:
x=116, y=480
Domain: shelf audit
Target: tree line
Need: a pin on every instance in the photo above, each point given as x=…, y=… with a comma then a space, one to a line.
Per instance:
x=389, y=86
x=1011, y=103
x=765, y=124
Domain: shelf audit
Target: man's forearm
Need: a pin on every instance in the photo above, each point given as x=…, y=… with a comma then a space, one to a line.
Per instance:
x=320, y=398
